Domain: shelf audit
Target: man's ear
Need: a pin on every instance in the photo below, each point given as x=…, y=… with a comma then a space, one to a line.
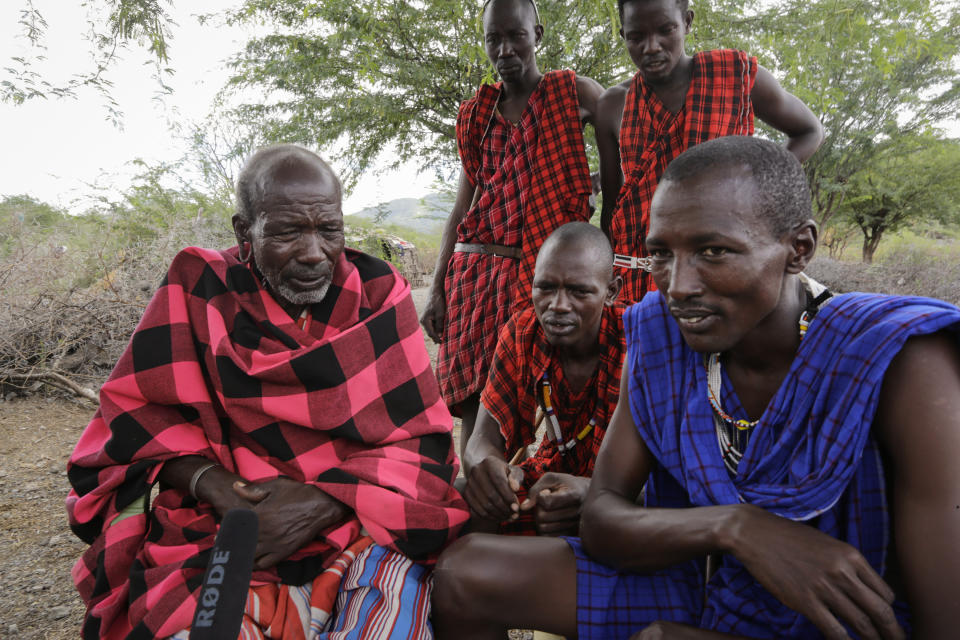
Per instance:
x=538, y=34
x=803, y=244
x=613, y=290
x=241, y=229
x=688, y=21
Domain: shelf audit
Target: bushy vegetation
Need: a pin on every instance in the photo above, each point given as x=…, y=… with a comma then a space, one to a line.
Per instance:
x=924, y=262
x=73, y=287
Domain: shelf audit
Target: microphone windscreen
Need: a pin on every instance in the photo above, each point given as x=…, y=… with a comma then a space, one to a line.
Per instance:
x=223, y=595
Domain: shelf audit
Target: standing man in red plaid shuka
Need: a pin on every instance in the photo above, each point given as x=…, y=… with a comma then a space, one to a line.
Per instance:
x=524, y=174
x=286, y=375
x=553, y=386
x=673, y=102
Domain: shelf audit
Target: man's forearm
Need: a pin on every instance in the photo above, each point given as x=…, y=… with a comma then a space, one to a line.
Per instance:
x=448, y=238
x=477, y=450
x=632, y=538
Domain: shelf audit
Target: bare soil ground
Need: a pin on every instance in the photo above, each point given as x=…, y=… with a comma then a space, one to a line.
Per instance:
x=37, y=548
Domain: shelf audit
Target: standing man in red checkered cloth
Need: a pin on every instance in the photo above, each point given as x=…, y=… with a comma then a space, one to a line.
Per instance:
x=673, y=102
x=524, y=174
x=553, y=386
x=286, y=375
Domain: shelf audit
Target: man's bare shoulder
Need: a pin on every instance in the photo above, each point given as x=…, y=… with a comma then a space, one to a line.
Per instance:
x=588, y=92
x=588, y=85
x=921, y=379
x=611, y=101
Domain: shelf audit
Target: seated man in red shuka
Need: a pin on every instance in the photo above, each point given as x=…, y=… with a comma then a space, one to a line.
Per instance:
x=555, y=371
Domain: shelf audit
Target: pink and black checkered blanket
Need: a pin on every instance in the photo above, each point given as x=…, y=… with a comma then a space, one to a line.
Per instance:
x=216, y=368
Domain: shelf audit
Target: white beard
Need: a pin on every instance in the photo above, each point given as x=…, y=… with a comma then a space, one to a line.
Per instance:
x=276, y=285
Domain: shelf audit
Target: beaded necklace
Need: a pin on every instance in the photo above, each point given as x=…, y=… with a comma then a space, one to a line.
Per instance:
x=733, y=435
x=553, y=432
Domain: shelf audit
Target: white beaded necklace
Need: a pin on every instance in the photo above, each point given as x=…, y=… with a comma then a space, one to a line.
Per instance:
x=732, y=434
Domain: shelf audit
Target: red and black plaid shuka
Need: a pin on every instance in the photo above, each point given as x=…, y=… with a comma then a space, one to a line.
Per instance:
x=217, y=368
x=533, y=177
x=512, y=396
x=717, y=104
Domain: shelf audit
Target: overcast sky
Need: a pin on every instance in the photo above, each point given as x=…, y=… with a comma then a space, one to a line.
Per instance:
x=56, y=149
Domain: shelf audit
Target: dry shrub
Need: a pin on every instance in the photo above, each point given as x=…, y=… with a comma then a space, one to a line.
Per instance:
x=68, y=313
x=912, y=270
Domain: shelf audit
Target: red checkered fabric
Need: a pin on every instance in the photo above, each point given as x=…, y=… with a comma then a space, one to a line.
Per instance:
x=717, y=104
x=217, y=368
x=533, y=178
x=512, y=397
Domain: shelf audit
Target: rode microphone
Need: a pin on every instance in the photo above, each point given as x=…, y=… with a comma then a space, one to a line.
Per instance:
x=223, y=595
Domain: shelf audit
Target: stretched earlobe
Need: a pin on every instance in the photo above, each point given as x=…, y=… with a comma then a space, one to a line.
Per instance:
x=240, y=230
x=241, y=246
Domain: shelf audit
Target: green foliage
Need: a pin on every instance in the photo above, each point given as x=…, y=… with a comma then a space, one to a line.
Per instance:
x=112, y=27
x=387, y=75
x=911, y=181
x=160, y=199
x=381, y=81
x=25, y=220
x=360, y=227
x=876, y=73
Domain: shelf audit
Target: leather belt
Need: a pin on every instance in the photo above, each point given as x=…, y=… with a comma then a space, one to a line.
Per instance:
x=500, y=250
x=632, y=262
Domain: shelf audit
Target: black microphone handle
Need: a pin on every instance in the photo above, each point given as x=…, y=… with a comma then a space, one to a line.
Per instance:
x=223, y=594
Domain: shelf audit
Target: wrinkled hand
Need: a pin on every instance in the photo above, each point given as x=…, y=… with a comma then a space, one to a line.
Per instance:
x=216, y=488
x=492, y=489
x=434, y=316
x=555, y=500
x=291, y=514
x=821, y=577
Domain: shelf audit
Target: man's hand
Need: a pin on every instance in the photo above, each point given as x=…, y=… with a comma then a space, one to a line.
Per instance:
x=492, y=489
x=434, y=316
x=556, y=499
x=825, y=579
x=291, y=514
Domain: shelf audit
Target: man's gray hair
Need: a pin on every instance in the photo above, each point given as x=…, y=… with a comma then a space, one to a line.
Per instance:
x=252, y=181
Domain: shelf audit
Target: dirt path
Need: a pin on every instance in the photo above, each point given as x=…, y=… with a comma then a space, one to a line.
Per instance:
x=37, y=548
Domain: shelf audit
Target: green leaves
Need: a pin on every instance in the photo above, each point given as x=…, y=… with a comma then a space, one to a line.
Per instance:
x=378, y=77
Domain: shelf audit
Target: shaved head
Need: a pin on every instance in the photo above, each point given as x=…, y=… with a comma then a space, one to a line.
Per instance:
x=573, y=282
x=683, y=5
x=531, y=3
x=261, y=168
x=584, y=238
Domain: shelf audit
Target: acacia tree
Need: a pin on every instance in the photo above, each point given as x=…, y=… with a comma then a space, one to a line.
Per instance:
x=915, y=180
x=877, y=74
x=112, y=27
x=389, y=74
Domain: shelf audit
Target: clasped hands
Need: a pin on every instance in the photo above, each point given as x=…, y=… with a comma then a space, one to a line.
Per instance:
x=290, y=513
x=554, y=499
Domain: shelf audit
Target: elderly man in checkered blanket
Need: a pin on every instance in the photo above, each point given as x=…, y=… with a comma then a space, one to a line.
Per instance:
x=287, y=375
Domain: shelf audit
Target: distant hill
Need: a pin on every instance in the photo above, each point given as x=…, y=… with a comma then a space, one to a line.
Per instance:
x=423, y=215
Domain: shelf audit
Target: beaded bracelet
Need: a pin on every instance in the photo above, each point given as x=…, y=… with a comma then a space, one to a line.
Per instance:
x=195, y=479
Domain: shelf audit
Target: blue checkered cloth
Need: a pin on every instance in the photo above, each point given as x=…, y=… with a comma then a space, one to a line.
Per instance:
x=811, y=458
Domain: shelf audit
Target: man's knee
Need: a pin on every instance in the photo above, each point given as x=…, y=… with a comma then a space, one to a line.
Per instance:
x=452, y=576
x=468, y=576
